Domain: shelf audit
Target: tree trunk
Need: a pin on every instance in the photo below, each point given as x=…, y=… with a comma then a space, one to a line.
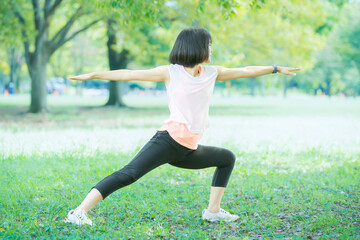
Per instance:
x=115, y=94
x=289, y=84
x=328, y=83
x=37, y=70
x=15, y=59
x=116, y=61
x=285, y=88
x=252, y=86
x=262, y=87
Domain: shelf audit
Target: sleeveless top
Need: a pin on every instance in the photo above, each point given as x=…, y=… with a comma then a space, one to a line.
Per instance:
x=189, y=100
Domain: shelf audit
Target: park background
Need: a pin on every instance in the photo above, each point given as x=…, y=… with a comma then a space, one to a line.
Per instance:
x=296, y=138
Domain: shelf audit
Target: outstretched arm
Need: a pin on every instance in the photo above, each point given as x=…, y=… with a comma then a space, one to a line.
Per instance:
x=251, y=71
x=157, y=74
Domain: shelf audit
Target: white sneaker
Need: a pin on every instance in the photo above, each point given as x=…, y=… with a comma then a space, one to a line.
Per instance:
x=78, y=217
x=222, y=214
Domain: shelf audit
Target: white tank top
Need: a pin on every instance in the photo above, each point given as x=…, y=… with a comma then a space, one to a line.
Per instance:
x=189, y=96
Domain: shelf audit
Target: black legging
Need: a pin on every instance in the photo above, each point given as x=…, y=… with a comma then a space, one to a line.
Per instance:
x=161, y=149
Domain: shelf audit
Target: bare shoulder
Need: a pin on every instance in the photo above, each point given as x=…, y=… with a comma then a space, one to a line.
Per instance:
x=157, y=74
x=219, y=69
x=164, y=72
x=225, y=73
x=162, y=68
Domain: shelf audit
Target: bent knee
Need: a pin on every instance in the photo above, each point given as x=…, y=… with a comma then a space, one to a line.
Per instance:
x=229, y=157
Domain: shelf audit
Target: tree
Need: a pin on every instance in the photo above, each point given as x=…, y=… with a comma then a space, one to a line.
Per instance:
x=346, y=35
x=16, y=60
x=116, y=61
x=41, y=40
x=337, y=68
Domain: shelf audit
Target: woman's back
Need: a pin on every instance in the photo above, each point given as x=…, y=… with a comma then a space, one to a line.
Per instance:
x=189, y=96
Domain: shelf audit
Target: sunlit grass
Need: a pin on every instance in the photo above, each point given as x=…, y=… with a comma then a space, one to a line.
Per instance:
x=296, y=174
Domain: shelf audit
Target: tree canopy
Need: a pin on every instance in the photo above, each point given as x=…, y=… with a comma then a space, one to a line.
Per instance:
x=321, y=37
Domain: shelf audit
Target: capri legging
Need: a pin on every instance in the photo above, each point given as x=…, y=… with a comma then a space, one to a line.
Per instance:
x=161, y=149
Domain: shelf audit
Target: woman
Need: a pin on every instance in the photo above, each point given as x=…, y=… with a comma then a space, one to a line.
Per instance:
x=189, y=87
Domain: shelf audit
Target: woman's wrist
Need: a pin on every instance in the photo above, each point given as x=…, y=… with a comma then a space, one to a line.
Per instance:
x=278, y=69
x=275, y=70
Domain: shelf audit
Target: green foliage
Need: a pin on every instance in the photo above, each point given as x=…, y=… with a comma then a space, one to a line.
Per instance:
x=346, y=36
x=10, y=34
x=131, y=12
x=337, y=69
x=86, y=53
x=251, y=32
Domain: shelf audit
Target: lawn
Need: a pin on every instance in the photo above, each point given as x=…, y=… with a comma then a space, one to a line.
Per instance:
x=296, y=176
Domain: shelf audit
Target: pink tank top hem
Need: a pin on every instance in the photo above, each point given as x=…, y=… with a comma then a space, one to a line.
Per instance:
x=181, y=134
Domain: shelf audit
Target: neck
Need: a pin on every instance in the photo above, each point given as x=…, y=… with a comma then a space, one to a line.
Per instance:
x=194, y=71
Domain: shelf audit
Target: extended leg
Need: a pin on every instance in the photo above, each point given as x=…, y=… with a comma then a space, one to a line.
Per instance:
x=93, y=198
x=156, y=152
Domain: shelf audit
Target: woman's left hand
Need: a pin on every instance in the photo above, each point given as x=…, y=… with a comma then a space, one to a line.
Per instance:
x=288, y=70
x=83, y=77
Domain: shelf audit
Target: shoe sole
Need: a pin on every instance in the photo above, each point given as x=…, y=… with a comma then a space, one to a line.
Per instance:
x=217, y=220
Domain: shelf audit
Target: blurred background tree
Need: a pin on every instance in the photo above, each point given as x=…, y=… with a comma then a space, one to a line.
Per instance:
x=32, y=22
x=336, y=68
x=321, y=37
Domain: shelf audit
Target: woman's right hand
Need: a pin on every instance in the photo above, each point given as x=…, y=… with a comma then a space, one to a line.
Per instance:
x=83, y=77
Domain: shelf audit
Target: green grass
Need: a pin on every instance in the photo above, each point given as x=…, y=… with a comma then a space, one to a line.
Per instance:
x=296, y=176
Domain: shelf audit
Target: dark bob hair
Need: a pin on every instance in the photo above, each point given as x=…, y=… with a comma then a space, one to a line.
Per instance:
x=191, y=47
